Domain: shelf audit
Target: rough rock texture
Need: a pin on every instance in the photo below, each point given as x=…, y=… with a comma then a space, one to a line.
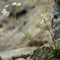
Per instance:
x=17, y=54
x=28, y=16
x=56, y=20
x=41, y=53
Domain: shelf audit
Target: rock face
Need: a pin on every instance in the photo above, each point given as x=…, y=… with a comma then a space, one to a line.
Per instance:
x=28, y=16
x=41, y=53
x=56, y=21
x=18, y=54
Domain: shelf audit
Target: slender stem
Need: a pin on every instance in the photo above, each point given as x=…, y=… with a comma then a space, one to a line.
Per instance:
x=14, y=18
x=50, y=34
x=48, y=29
x=51, y=46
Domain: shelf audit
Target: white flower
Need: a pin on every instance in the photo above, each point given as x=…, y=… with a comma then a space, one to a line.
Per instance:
x=16, y=4
x=6, y=6
x=5, y=12
x=44, y=18
x=41, y=22
x=42, y=15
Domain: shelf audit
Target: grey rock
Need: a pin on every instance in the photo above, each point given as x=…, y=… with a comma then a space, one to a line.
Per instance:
x=56, y=21
x=17, y=53
x=20, y=59
x=38, y=54
x=28, y=16
x=41, y=53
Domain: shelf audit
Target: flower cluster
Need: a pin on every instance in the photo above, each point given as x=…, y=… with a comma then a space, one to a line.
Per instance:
x=5, y=12
x=16, y=4
x=44, y=18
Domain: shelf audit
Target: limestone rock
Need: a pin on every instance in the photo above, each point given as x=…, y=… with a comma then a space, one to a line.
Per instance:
x=17, y=53
x=28, y=16
x=41, y=53
x=56, y=21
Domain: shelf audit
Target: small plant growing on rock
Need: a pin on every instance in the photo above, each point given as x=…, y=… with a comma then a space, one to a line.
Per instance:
x=54, y=51
x=7, y=14
x=54, y=54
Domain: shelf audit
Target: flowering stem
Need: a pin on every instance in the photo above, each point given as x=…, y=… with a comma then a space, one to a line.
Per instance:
x=50, y=34
x=14, y=18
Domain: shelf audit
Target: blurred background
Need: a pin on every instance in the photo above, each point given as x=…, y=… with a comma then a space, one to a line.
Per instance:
x=29, y=18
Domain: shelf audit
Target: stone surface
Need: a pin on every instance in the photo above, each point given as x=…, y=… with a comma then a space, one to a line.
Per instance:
x=41, y=53
x=28, y=16
x=17, y=53
x=56, y=21
x=20, y=59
